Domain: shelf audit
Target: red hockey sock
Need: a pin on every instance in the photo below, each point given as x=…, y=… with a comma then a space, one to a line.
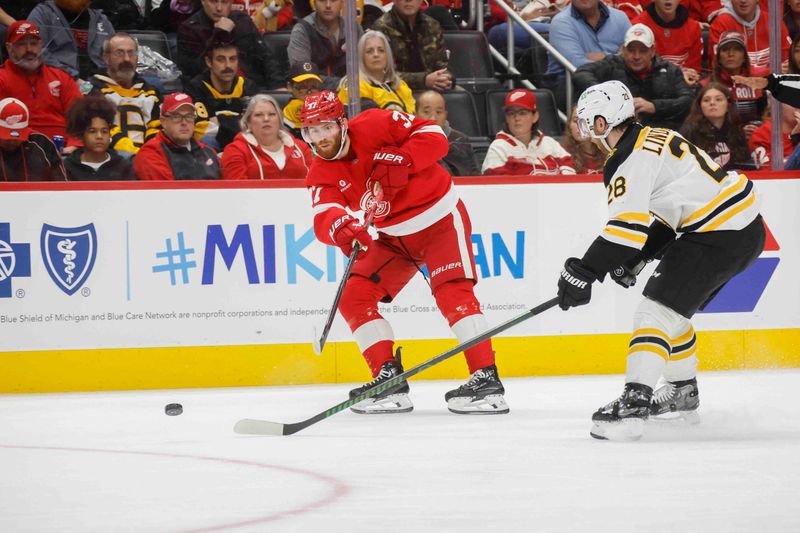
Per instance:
x=457, y=302
x=359, y=307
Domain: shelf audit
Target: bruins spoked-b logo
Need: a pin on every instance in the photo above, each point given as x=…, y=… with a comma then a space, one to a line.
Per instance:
x=69, y=255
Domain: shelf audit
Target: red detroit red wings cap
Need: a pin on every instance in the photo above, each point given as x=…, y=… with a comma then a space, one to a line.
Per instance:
x=521, y=98
x=20, y=29
x=13, y=120
x=175, y=100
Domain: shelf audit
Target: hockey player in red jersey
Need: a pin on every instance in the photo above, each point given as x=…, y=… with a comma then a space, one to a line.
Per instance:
x=420, y=221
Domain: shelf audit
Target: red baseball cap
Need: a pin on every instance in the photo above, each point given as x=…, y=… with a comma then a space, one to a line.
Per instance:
x=20, y=29
x=13, y=120
x=175, y=100
x=732, y=36
x=521, y=98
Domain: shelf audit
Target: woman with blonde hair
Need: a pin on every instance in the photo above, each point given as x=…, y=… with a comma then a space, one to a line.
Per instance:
x=586, y=156
x=379, y=84
x=263, y=149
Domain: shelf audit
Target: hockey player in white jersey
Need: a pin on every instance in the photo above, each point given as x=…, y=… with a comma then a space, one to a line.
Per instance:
x=659, y=186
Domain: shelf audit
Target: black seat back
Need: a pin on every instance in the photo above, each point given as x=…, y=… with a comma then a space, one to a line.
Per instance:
x=469, y=54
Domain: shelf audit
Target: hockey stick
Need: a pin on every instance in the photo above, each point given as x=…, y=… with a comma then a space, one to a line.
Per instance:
x=249, y=426
x=318, y=344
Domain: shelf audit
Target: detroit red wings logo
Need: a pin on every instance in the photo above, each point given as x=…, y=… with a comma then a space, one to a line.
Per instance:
x=368, y=201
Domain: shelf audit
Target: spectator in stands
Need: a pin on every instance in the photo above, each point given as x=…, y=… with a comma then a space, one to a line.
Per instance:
x=304, y=80
x=319, y=38
x=168, y=18
x=791, y=17
x=584, y=32
x=264, y=150
x=794, y=56
x=25, y=155
x=174, y=154
x=90, y=119
x=73, y=35
x=520, y=148
x=732, y=60
x=760, y=143
x=586, y=155
x=746, y=17
x=215, y=23
x=678, y=36
x=137, y=103
x=460, y=160
x=379, y=84
x=661, y=94
x=46, y=91
x=417, y=46
x=713, y=125
x=221, y=92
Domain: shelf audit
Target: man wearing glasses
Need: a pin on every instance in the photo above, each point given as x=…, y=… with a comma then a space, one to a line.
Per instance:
x=137, y=102
x=174, y=154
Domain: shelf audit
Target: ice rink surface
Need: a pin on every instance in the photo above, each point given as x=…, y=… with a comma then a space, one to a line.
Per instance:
x=115, y=462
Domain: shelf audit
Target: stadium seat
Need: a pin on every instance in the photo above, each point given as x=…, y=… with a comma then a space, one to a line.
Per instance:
x=282, y=97
x=462, y=113
x=549, y=122
x=155, y=40
x=468, y=54
x=278, y=44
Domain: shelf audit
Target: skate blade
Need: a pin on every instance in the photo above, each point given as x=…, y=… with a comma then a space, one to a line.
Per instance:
x=623, y=431
x=690, y=417
x=494, y=404
x=394, y=403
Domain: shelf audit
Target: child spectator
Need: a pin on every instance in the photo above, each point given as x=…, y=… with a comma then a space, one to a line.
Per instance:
x=713, y=125
x=304, y=80
x=520, y=148
x=90, y=119
x=25, y=155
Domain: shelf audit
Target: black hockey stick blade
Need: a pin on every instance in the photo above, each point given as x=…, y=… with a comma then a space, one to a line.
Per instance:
x=249, y=426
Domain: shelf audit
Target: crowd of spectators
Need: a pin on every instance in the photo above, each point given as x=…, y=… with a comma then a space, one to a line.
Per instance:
x=77, y=104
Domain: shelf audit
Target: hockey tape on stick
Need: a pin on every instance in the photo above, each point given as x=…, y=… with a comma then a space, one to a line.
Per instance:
x=249, y=426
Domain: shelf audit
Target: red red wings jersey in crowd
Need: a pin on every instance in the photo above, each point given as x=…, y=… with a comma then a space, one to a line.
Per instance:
x=678, y=42
x=342, y=183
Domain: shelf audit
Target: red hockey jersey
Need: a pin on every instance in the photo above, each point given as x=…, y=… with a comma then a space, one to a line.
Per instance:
x=676, y=41
x=757, y=38
x=342, y=184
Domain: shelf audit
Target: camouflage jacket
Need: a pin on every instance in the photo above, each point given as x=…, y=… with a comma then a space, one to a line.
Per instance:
x=426, y=37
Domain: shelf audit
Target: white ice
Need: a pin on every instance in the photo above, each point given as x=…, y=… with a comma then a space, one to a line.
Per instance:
x=115, y=462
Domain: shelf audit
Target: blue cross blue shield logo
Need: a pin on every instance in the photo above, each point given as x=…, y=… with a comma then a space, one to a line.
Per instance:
x=69, y=255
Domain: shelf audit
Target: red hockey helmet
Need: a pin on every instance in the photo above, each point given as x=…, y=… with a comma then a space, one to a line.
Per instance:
x=321, y=107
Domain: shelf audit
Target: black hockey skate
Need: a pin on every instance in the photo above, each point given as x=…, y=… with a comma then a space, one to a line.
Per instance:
x=677, y=399
x=481, y=395
x=624, y=418
x=392, y=400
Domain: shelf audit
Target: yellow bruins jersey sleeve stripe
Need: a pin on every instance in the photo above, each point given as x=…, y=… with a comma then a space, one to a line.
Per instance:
x=721, y=197
x=643, y=218
x=624, y=237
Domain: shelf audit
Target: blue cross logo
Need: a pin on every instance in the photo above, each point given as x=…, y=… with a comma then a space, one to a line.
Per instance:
x=15, y=260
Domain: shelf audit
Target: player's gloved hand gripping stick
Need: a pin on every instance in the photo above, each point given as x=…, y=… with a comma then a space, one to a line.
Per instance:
x=249, y=426
x=352, y=235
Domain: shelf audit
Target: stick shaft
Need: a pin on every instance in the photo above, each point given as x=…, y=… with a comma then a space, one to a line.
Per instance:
x=289, y=429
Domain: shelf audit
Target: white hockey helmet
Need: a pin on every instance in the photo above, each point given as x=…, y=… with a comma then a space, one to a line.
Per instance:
x=611, y=100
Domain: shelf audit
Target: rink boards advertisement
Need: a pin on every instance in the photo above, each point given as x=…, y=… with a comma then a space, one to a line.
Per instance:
x=213, y=268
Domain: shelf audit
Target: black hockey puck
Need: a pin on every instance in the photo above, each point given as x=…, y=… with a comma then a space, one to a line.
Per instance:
x=173, y=409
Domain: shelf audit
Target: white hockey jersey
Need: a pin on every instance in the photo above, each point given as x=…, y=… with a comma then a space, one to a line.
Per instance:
x=656, y=171
x=543, y=155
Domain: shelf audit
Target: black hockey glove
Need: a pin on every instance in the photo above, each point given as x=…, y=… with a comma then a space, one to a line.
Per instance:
x=575, y=284
x=625, y=274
